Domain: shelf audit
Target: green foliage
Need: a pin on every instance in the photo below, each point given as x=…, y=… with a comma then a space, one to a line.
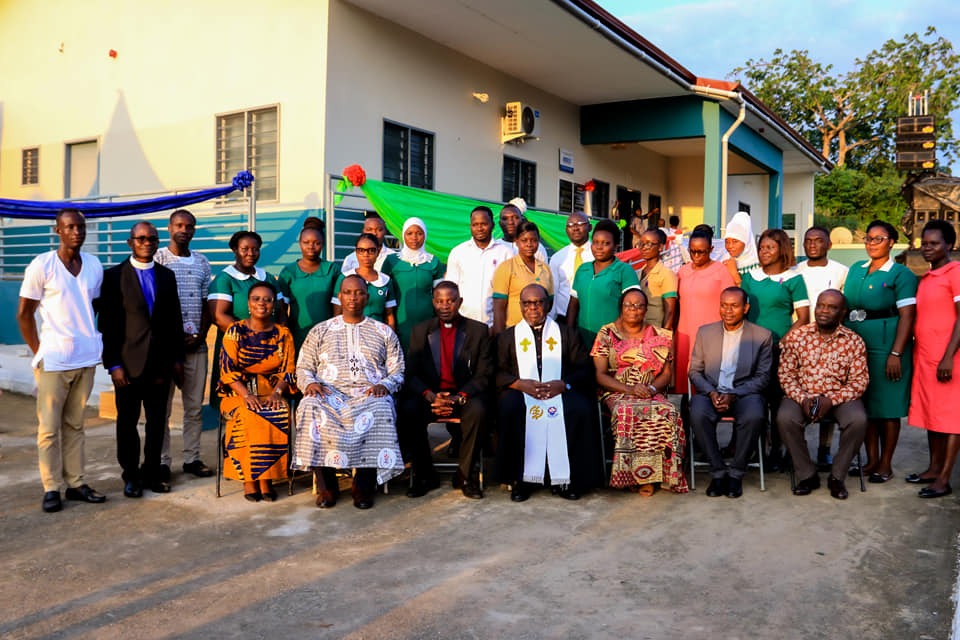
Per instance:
x=852, y=116
x=848, y=197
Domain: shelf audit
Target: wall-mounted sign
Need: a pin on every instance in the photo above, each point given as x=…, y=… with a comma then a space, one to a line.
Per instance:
x=566, y=161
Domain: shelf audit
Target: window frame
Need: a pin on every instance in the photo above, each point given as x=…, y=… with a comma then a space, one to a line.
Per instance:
x=430, y=173
x=529, y=195
x=25, y=180
x=235, y=196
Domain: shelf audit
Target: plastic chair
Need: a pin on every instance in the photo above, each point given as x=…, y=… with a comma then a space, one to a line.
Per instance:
x=692, y=480
x=452, y=465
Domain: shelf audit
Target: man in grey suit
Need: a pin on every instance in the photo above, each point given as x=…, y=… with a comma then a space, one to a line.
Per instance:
x=730, y=368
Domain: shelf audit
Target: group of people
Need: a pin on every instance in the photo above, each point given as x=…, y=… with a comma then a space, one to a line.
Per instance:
x=497, y=345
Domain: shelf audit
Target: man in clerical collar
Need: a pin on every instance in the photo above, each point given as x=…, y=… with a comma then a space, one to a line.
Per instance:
x=449, y=368
x=547, y=409
x=143, y=349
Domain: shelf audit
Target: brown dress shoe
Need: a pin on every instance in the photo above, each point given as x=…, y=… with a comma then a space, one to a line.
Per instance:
x=326, y=499
x=837, y=489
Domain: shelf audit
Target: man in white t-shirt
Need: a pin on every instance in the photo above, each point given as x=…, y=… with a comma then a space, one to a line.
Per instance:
x=471, y=265
x=62, y=286
x=566, y=261
x=819, y=274
x=373, y=225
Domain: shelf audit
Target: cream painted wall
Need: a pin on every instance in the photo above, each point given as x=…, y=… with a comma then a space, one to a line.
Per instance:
x=752, y=190
x=153, y=107
x=685, y=184
x=408, y=79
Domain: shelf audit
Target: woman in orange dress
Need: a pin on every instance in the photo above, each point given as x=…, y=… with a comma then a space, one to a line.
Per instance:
x=935, y=393
x=256, y=368
x=700, y=283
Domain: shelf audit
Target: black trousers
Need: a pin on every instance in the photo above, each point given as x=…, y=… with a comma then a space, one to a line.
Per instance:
x=414, y=417
x=150, y=394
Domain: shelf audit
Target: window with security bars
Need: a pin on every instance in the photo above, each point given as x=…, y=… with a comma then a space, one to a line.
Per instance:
x=30, y=171
x=249, y=140
x=407, y=156
x=519, y=179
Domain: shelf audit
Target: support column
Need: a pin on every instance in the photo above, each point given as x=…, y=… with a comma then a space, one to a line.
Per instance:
x=712, y=152
x=775, y=203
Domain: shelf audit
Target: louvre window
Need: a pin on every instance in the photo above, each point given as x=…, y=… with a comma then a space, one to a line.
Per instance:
x=250, y=140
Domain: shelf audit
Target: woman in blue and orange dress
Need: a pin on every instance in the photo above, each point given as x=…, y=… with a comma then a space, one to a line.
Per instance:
x=634, y=365
x=935, y=393
x=257, y=367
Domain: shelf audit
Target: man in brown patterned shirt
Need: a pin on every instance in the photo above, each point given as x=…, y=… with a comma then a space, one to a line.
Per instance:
x=823, y=371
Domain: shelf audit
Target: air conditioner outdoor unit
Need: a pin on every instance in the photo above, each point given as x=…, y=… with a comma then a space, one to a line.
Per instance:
x=520, y=122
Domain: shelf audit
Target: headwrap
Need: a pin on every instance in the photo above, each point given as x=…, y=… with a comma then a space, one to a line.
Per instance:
x=414, y=256
x=740, y=228
x=520, y=204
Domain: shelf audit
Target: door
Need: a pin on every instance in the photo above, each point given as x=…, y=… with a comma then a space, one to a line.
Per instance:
x=628, y=201
x=81, y=171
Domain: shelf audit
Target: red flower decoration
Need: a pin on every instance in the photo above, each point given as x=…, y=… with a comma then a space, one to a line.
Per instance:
x=590, y=186
x=355, y=174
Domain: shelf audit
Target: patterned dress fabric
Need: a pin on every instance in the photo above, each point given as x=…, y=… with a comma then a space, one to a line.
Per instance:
x=256, y=443
x=348, y=428
x=648, y=434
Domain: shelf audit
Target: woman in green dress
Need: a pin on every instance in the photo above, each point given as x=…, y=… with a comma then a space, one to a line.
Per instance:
x=414, y=272
x=776, y=291
x=227, y=299
x=307, y=284
x=597, y=286
x=882, y=298
x=382, y=303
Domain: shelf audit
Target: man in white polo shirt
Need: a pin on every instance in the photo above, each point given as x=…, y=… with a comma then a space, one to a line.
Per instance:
x=62, y=285
x=471, y=265
x=566, y=261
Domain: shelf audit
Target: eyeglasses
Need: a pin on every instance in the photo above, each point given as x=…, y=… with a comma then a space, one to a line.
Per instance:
x=636, y=306
x=649, y=245
x=573, y=225
x=145, y=239
x=367, y=250
x=698, y=252
x=875, y=239
x=531, y=303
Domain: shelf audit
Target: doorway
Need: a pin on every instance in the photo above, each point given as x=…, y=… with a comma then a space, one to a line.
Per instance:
x=81, y=170
x=628, y=201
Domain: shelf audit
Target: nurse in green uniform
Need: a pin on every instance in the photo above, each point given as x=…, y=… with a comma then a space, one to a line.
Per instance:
x=881, y=295
x=308, y=283
x=597, y=285
x=227, y=299
x=414, y=272
x=382, y=302
x=776, y=290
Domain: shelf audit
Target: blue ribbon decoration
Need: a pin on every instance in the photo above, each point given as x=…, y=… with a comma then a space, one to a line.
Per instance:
x=47, y=210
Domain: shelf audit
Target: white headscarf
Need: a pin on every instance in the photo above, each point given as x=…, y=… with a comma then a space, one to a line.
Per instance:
x=414, y=256
x=740, y=228
x=520, y=204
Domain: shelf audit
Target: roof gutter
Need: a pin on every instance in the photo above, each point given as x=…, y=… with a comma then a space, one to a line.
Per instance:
x=736, y=96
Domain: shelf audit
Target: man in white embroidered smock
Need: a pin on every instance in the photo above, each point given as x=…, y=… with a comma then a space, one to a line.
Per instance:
x=548, y=409
x=347, y=369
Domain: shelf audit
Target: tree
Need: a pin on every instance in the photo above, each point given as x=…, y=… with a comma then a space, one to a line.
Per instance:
x=852, y=116
x=849, y=197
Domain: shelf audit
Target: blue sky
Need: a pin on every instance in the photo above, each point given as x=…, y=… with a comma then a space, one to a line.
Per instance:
x=712, y=37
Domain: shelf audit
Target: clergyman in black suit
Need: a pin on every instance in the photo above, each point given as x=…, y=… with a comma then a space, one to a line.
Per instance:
x=449, y=369
x=529, y=386
x=143, y=351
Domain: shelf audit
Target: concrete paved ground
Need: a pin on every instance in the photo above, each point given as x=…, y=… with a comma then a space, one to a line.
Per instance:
x=883, y=564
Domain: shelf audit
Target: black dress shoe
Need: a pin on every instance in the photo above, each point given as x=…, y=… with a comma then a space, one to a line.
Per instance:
x=363, y=502
x=930, y=492
x=51, y=501
x=471, y=489
x=159, y=486
x=805, y=486
x=326, y=499
x=256, y=496
x=84, y=493
x=914, y=478
x=163, y=472
x=837, y=489
x=421, y=487
x=520, y=492
x=198, y=469
x=718, y=487
x=569, y=493
x=269, y=496
x=734, y=487
x=132, y=489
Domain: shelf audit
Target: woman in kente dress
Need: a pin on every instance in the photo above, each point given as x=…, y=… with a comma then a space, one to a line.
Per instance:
x=634, y=363
x=257, y=368
x=414, y=272
x=883, y=305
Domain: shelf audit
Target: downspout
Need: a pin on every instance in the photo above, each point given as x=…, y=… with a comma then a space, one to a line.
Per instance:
x=710, y=92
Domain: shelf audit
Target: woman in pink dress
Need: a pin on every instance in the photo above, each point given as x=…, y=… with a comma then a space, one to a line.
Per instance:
x=935, y=393
x=700, y=282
